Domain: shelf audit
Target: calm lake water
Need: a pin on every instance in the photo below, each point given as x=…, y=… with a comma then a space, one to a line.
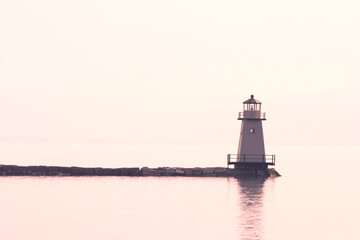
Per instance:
x=317, y=197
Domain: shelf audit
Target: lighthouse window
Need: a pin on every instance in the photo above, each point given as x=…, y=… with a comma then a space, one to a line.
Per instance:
x=252, y=130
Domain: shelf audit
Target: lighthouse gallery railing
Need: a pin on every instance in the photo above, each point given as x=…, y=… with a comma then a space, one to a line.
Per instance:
x=252, y=115
x=250, y=158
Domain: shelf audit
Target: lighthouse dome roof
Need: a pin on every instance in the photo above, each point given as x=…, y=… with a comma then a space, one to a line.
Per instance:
x=252, y=100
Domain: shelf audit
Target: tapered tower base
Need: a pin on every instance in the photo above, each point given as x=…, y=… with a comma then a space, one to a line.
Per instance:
x=260, y=166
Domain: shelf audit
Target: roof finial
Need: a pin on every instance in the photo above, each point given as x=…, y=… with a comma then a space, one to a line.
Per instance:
x=252, y=96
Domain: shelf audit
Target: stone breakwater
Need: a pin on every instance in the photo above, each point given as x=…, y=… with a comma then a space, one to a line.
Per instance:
x=14, y=170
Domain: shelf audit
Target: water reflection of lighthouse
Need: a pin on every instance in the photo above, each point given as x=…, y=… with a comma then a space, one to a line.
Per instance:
x=251, y=208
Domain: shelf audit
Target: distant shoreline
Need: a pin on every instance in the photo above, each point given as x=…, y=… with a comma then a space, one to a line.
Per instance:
x=14, y=170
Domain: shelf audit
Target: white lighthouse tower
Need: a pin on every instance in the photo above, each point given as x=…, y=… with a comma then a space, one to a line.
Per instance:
x=251, y=151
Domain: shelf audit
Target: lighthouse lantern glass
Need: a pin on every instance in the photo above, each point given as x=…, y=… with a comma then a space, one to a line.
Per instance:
x=252, y=107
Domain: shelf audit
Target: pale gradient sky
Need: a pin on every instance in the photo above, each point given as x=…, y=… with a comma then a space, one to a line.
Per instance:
x=176, y=72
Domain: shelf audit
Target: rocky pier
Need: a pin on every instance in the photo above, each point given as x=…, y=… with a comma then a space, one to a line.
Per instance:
x=14, y=170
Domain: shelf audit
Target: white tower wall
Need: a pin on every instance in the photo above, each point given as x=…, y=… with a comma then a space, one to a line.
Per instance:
x=251, y=141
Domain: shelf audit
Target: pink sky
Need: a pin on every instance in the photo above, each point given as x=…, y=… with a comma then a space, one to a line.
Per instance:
x=176, y=72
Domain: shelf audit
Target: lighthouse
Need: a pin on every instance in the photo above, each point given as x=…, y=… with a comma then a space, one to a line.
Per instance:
x=251, y=150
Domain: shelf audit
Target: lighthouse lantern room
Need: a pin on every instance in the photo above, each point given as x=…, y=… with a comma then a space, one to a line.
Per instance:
x=251, y=150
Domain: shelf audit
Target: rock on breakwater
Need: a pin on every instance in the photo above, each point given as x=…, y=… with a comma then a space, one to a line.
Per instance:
x=14, y=170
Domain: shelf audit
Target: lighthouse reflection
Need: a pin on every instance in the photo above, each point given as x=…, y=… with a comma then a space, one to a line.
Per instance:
x=251, y=207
